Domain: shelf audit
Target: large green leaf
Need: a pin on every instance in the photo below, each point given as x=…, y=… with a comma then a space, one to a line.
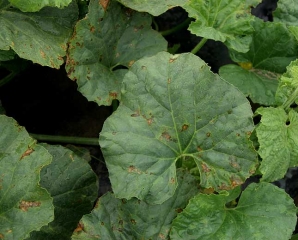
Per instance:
x=72, y=183
x=262, y=64
x=286, y=12
x=154, y=7
x=228, y=21
x=114, y=218
x=278, y=138
x=174, y=108
x=36, y=5
x=41, y=36
x=264, y=212
x=110, y=36
x=24, y=205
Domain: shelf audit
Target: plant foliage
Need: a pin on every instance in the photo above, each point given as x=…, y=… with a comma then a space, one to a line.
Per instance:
x=183, y=139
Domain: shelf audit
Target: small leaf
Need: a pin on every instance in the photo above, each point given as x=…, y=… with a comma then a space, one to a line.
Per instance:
x=260, y=81
x=174, y=107
x=264, y=212
x=72, y=183
x=36, y=5
x=259, y=85
x=278, y=138
x=227, y=21
x=24, y=205
x=154, y=7
x=40, y=37
x=114, y=218
x=109, y=37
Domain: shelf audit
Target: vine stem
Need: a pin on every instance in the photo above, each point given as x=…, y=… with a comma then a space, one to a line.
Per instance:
x=115, y=105
x=155, y=24
x=6, y=79
x=65, y=139
x=199, y=45
x=286, y=105
x=176, y=28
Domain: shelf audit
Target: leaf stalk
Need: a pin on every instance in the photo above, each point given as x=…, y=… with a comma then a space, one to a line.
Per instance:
x=7, y=79
x=199, y=45
x=180, y=26
x=66, y=139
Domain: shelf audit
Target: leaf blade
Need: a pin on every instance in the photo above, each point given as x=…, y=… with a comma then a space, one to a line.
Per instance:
x=226, y=21
x=206, y=216
x=115, y=218
x=25, y=206
x=34, y=6
x=277, y=137
x=40, y=37
x=96, y=51
x=154, y=7
x=164, y=116
x=72, y=183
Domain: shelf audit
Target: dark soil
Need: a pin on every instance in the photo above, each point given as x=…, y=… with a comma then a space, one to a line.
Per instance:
x=46, y=101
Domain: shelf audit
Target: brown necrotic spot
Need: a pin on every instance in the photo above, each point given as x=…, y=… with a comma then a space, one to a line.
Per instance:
x=166, y=136
x=205, y=168
x=149, y=120
x=172, y=60
x=184, y=127
x=79, y=228
x=113, y=95
x=24, y=205
x=42, y=54
x=104, y=3
x=235, y=182
x=27, y=152
x=131, y=63
x=134, y=115
x=179, y=210
x=133, y=169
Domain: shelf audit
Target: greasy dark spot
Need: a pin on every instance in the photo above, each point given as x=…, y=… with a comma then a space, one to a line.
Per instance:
x=133, y=221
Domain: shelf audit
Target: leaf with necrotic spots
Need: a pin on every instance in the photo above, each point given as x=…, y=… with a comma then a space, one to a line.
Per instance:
x=40, y=37
x=174, y=108
x=107, y=42
x=24, y=205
